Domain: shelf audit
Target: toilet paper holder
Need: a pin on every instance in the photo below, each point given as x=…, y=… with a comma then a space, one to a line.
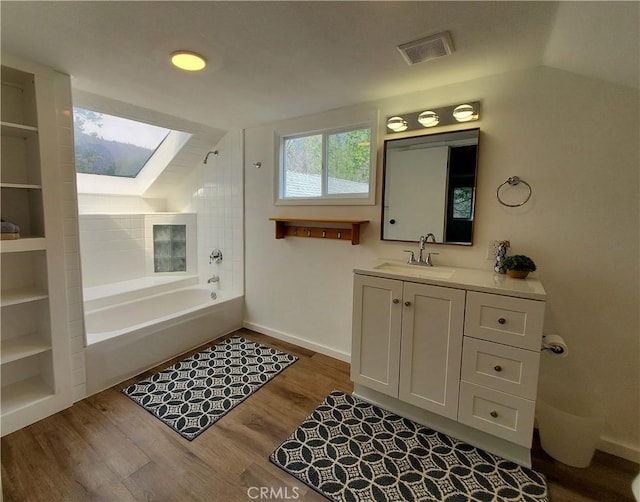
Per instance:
x=555, y=348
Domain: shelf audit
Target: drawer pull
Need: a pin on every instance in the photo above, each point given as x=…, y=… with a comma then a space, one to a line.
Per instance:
x=396, y=301
x=497, y=368
x=408, y=304
x=502, y=320
x=494, y=414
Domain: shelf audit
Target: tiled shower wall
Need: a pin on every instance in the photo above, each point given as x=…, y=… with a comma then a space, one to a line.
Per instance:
x=215, y=192
x=112, y=247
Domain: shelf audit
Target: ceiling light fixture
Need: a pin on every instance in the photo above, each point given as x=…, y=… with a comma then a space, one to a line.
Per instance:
x=397, y=124
x=432, y=117
x=187, y=60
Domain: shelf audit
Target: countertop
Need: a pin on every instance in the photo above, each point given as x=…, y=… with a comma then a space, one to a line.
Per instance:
x=485, y=281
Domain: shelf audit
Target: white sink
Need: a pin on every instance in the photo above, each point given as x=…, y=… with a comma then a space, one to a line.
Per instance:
x=415, y=270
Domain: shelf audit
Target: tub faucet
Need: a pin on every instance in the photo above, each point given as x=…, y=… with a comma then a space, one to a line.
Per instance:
x=215, y=278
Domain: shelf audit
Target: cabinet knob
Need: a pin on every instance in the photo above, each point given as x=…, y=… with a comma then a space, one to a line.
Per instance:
x=407, y=304
x=494, y=414
x=502, y=320
x=497, y=368
x=395, y=300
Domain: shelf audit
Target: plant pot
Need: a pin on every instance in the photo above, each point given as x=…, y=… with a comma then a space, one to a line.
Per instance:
x=518, y=274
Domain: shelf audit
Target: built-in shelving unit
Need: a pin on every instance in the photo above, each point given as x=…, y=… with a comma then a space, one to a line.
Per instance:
x=32, y=341
x=321, y=228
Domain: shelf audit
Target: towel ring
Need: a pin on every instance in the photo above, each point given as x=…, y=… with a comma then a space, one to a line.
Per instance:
x=513, y=181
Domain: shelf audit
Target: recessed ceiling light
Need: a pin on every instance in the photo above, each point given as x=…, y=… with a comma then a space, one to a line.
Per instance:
x=187, y=60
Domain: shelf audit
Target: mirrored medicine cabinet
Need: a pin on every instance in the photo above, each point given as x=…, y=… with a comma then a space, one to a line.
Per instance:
x=429, y=187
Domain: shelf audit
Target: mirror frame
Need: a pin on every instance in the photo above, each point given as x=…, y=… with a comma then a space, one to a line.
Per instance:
x=384, y=185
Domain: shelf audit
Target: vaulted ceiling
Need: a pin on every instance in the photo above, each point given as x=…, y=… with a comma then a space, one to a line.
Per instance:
x=275, y=60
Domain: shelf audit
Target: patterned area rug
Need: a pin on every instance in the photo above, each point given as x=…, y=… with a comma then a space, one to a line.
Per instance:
x=350, y=450
x=195, y=393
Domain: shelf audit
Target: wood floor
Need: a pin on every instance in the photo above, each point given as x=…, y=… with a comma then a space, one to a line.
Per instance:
x=108, y=448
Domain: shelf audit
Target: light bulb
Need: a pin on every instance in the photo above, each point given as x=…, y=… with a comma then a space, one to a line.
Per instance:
x=463, y=113
x=397, y=124
x=429, y=118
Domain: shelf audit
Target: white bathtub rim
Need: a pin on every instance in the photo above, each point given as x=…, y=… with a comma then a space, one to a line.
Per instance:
x=136, y=289
x=193, y=312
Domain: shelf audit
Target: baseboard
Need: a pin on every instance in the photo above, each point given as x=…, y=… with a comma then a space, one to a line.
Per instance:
x=619, y=450
x=285, y=337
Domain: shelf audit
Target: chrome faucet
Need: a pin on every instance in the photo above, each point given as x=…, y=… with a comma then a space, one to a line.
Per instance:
x=422, y=261
x=215, y=278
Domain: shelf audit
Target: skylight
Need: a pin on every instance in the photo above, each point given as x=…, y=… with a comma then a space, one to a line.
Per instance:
x=113, y=146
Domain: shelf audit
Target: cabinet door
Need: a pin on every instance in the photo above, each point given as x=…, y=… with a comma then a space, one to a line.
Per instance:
x=432, y=324
x=377, y=317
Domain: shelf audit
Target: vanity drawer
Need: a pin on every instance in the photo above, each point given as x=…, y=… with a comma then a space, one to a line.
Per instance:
x=500, y=367
x=504, y=319
x=503, y=415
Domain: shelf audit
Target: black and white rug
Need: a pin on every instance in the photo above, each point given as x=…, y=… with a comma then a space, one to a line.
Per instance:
x=193, y=394
x=350, y=450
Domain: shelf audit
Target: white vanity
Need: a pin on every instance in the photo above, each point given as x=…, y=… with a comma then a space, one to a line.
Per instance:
x=455, y=349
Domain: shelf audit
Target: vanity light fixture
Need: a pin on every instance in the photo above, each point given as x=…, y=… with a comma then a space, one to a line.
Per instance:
x=432, y=117
x=187, y=60
x=397, y=124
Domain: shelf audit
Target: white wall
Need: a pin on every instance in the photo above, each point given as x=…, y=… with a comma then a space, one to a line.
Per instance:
x=67, y=179
x=112, y=248
x=575, y=140
x=214, y=191
x=89, y=203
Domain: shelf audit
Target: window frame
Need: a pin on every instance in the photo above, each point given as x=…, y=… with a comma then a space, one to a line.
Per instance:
x=325, y=198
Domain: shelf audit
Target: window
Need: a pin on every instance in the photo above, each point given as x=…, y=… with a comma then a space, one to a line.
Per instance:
x=113, y=146
x=123, y=156
x=169, y=248
x=332, y=166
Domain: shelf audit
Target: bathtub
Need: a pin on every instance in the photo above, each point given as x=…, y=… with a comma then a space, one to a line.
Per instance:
x=127, y=337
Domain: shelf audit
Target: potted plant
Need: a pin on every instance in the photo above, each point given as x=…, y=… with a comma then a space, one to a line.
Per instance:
x=518, y=266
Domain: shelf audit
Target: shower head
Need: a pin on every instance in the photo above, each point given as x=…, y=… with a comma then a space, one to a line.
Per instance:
x=214, y=152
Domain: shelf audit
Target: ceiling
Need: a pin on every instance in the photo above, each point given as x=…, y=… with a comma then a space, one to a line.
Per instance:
x=274, y=60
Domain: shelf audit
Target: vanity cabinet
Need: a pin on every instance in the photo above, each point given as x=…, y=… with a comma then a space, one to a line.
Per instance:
x=456, y=351
x=407, y=341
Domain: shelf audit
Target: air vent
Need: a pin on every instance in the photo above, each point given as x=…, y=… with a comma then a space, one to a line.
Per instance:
x=427, y=48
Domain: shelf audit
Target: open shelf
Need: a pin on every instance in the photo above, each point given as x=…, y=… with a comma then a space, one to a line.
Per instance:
x=322, y=228
x=21, y=295
x=17, y=130
x=24, y=243
x=35, y=367
x=24, y=393
x=22, y=346
x=25, y=186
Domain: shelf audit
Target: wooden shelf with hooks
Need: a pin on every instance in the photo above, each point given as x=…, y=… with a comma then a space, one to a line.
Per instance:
x=321, y=228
